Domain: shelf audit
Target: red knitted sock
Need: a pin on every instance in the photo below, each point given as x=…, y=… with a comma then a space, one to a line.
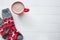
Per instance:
x=9, y=29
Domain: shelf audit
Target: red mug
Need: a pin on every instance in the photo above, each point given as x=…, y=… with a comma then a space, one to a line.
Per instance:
x=18, y=8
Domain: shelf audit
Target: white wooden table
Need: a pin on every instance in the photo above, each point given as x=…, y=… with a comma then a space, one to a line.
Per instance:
x=41, y=23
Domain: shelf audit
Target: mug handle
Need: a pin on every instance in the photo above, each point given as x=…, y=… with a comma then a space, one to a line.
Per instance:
x=26, y=9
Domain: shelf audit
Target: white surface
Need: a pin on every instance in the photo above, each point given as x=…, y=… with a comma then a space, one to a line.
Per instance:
x=41, y=23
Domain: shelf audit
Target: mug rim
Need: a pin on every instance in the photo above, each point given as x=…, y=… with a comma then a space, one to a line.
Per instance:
x=21, y=10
